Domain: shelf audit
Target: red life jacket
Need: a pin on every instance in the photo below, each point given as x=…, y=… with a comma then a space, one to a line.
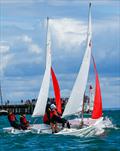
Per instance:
x=45, y=118
x=52, y=113
x=11, y=117
x=23, y=120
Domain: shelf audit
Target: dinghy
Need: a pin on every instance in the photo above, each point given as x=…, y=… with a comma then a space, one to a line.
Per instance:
x=12, y=130
x=41, y=103
x=2, y=111
x=75, y=103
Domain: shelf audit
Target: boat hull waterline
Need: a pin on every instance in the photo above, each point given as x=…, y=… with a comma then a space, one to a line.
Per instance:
x=91, y=128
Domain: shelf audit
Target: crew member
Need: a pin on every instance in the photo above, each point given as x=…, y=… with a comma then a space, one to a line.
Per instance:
x=13, y=121
x=56, y=118
x=46, y=117
x=24, y=122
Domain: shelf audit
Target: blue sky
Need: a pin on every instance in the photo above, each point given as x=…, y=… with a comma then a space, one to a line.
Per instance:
x=22, y=45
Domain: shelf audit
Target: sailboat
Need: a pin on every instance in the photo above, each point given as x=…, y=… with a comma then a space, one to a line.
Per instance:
x=75, y=103
x=96, y=124
x=41, y=103
x=2, y=110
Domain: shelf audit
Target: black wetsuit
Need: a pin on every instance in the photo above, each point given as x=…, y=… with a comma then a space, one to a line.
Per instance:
x=57, y=119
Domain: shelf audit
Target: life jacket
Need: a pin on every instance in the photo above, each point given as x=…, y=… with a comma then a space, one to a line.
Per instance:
x=52, y=113
x=23, y=120
x=11, y=117
x=45, y=118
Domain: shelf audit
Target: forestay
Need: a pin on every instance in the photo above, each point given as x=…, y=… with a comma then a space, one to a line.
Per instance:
x=75, y=101
x=43, y=94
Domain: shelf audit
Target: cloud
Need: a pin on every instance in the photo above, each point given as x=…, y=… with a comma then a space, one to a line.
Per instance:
x=78, y=2
x=111, y=92
x=19, y=1
x=68, y=32
x=21, y=58
x=4, y=47
x=25, y=38
x=5, y=56
x=21, y=88
x=31, y=46
x=23, y=55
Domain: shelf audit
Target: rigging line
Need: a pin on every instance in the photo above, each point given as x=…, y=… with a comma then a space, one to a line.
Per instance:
x=1, y=98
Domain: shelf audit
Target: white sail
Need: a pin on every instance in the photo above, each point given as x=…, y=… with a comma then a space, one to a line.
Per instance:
x=43, y=95
x=75, y=101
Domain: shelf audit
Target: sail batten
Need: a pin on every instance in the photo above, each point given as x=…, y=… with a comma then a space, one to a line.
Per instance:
x=76, y=98
x=43, y=94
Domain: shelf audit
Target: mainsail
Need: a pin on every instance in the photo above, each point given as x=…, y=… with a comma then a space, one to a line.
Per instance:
x=97, y=108
x=75, y=101
x=56, y=91
x=43, y=94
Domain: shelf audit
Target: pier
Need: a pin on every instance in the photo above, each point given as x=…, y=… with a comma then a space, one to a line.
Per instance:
x=18, y=109
x=27, y=107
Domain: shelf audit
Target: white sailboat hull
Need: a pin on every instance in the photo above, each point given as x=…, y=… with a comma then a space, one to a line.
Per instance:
x=93, y=128
x=87, y=130
x=12, y=130
x=41, y=129
x=3, y=112
x=75, y=123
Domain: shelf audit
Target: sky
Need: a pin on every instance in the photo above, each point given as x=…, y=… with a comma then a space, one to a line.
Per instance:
x=23, y=44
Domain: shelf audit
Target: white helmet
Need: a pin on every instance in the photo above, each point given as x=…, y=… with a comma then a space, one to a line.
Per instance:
x=52, y=106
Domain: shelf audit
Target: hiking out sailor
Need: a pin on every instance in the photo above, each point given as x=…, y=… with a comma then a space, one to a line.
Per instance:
x=56, y=118
x=13, y=120
x=24, y=122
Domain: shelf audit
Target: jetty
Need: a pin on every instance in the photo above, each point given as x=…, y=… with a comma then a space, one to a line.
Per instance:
x=18, y=109
x=27, y=107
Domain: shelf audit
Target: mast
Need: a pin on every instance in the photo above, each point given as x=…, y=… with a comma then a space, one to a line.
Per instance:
x=1, y=95
x=47, y=37
x=1, y=98
x=89, y=43
x=40, y=106
x=83, y=108
x=75, y=102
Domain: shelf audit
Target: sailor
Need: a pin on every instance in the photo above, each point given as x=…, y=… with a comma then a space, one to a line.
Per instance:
x=46, y=117
x=13, y=121
x=24, y=122
x=56, y=118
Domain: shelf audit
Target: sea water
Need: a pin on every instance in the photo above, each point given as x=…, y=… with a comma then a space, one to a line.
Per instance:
x=109, y=141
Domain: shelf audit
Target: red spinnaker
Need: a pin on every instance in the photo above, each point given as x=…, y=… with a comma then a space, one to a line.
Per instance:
x=56, y=91
x=97, y=108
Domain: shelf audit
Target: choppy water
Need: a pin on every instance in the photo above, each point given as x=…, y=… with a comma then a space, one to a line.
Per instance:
x=110, y=141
